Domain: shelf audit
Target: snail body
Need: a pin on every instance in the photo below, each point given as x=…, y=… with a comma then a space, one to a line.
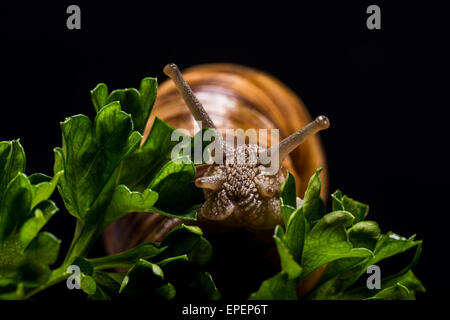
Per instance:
x=228, y=96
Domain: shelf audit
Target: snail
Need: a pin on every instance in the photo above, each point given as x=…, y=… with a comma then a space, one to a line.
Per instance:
x=229, y=96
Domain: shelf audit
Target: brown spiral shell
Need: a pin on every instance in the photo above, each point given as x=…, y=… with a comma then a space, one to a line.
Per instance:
x=234, y=96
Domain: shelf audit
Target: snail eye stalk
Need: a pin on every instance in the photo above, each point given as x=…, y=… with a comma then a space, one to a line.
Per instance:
x=196, y=108
x=210, y=182
x=297, y=138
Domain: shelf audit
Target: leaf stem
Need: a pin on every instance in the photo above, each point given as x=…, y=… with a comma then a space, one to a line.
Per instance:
x=57, y=276
x=85, y=235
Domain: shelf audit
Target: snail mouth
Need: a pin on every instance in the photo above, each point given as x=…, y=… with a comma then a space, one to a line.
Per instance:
x=247, y=212
x=248, y=203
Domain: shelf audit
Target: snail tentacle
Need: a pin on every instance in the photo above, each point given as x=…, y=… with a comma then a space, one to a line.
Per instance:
x=197, y=110
x=210, y=182
x=294, y=140
x=194, y=105
x=266, y=186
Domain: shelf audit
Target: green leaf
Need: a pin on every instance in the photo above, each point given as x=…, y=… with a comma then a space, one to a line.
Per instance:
x=137, y=103
x=407, y=279
x=99, y=96
x=286, y=212
x=127, y=258
x=125, y=201
x=388, y=245
x=15, y=294
x=181, y=260
x=15, y=208
x=130, y=101
x=85, y=265
x=44, y=248
x=25, y=254
x=148, y=89
x=99, y=294
x=102, y=165
x=279, y=287
x=42, y=186
x=283, y=285
x=175, y=181
x=111, y=280
x=90, y=157
x=178, y=270
x=87, y=284
x=109, y=283
x=357, y=209
x=166, y=291
x=95, y=159
x=288, y=261
x=42, y=213
x=337, y=278
x=12, y=161
x=391, y=244
x=313, y=206
x=142, y=280
x=187, y=240
x=327, y=241
x=189, y=281
x=343, y=242
x=29, y=268
x=396, y=292
x=151, y=166
x=205, y=283
x=336, y=199
x=144, y=163
x=296, y=230
x=288, y=197
x=86, y=280
x=329, y=284
x=364, y=234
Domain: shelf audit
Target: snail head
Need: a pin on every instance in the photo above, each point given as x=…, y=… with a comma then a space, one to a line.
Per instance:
x=242, y=193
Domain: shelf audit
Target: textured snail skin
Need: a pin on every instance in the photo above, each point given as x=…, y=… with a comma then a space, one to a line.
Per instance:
x=234, y=97
x=239, y=201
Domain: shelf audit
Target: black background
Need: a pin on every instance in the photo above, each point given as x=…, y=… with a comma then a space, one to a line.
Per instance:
x=385, y=91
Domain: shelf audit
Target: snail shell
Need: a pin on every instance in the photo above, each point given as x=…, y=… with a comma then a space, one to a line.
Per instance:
x=234, y=96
